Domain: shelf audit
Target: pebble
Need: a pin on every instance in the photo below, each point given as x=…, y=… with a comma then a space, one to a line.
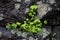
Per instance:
x=19, y=33
x=27, y=10
x=1, y=16
x=24, y=34
x=0, y=34
x=23, y=39
x=18, y=0
x=17, y=6
x=31, y=38
x=27, y=0
x=13, y=31
x=45, y=32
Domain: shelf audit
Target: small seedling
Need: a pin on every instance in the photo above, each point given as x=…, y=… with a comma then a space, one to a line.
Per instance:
x=32, y=11
x=18, y=23
x=32, y=25
x=11, y=26
x=45, y=22
x=33, y=7
x=52, y=36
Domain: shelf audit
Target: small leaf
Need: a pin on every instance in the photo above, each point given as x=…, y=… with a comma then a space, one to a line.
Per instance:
x=17, y=23
x=13, y=26
x=33, y=7
x=45, y=22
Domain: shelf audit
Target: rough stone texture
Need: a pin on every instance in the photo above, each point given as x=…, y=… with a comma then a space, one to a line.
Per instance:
x=1, y=16
x=19, y=33
x=42, y=9
x=13, y=31
x=27, y=10
x=31, y=38
x=49, y=1
x=27, y=0
x=5, y=32
x=56, y=30
x=24, y=34
x=17, y=6
x=24, y=39
x=45, y=33
x=1, y=34
x=18, y=0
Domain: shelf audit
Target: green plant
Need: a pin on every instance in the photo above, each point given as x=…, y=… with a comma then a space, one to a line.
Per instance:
x=45, y=22
x=33, y=7
x=32, y=25
x=32, y=11
x=18, y=23
x=52, y=36
x=11, y=26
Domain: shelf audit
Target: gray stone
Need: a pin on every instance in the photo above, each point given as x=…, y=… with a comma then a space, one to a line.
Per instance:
x=0, y=34
x=24, y=34
x=27, y=0
x=31, y=38
x=17, y=6
x=13, y=31
x=27, y=10
x=18, y=0
x=7, y=34
x=1, y=16
x=42, y=9
x=45, y=33
x=23, y=39
x=51, y=1
x=36, y=38
x=19, y=33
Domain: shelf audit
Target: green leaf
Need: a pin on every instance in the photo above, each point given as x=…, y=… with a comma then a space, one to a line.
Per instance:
x=33, y=7
x=30, y=14
x=39, y=29
x=45, y=22
x=13, y=26
x=8, y=26
x=18, y=23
